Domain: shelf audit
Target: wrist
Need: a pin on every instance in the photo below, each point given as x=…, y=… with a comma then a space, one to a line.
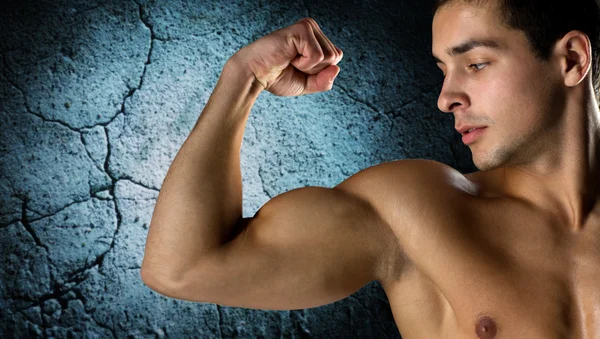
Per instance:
x=237, y=65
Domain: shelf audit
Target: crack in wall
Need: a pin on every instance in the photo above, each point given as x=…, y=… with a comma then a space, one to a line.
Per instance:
x=14, y=195
x=373, y=108
x=79, y=275
x=10, y=222
x=28, y=227
x=111, y=329
x=28, y=108
x=81, y=138
x=44, y=321
x=148, y=59
x=262, y=181
x=378, y=321
x=100, y=258
x=39, y=115
x=300, y=321
x=58, y=291
x=220, y=316
x=44, y=216
x=64, y=303
x=128, y=178
x=79, y=296
x=146, y=63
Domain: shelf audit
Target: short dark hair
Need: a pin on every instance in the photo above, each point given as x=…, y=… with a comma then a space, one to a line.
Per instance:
x=546, y=21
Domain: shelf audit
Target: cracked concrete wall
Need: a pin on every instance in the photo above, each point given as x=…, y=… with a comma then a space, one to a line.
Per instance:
x=98, y=96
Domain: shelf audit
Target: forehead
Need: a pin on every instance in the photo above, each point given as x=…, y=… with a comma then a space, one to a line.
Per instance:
x=457, y=22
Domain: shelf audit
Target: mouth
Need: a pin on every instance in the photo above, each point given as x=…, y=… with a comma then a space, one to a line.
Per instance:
x=470, y=137
x=468, y=129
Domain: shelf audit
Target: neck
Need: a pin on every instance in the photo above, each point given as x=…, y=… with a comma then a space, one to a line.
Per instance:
x=564, y=175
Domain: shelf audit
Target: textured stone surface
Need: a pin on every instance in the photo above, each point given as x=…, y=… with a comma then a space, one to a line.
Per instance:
x=96, y=98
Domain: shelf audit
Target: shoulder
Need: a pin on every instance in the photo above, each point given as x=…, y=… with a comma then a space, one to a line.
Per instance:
x=394, y=181
x=411, y=187
x=414, y=198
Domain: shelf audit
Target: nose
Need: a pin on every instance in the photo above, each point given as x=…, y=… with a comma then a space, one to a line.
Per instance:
x=452, y=96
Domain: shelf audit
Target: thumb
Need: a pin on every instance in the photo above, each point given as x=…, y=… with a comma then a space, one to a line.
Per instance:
x=335, y=69
x=322, y=81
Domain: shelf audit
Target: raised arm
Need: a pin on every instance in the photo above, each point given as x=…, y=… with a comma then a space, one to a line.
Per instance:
x=200, y=201
x=307, y=247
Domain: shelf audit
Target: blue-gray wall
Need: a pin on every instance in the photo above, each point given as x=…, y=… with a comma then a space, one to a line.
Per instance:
x=96, y=98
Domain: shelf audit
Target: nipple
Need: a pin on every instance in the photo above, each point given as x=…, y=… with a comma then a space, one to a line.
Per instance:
x=486, y=327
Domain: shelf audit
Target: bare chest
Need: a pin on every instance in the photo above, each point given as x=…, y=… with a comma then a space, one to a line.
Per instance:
x=498, y=274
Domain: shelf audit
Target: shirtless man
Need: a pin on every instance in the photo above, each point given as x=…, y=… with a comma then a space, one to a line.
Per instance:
x=511, y=251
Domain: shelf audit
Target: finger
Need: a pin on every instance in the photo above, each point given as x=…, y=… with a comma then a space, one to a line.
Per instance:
x=322, y=81
x=327, y=54
x=336, y=51
x=332, y=54
x=340, y=55
x=307, y=45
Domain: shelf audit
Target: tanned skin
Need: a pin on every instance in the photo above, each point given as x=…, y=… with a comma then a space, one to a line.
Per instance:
x=511, y=251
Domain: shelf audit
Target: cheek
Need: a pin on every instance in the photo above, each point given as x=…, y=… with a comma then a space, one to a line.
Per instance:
x=516, y=99
x=540, y=96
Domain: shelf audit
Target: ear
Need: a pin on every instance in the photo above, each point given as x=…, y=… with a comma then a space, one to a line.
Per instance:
x=575, y=53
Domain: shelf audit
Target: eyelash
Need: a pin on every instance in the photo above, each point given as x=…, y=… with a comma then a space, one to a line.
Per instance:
x=481, y=63
x=475, y=68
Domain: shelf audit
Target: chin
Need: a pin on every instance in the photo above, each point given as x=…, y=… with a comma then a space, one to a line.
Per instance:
x=488, y=161
x=484, y=167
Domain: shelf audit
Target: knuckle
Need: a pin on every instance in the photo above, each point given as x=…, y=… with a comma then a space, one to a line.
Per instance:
x=319, y=56
x=310, y=22
x=329, y=57
x=305, y=28
x=308, y=19
x=305, y=22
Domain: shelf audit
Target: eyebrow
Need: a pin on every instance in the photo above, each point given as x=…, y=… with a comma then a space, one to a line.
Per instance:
x=469, y=45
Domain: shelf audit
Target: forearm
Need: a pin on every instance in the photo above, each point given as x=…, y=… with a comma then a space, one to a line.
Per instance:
x=200, y=200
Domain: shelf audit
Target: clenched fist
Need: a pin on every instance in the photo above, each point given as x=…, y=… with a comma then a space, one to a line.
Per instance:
x=292, y=61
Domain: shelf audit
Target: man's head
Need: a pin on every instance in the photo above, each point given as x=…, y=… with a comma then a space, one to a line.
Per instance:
x=537, y=56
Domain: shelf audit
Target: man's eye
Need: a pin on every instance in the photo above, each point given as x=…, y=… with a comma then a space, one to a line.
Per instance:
x=479, y=67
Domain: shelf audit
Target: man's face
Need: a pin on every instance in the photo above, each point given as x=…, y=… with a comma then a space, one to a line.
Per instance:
x=504, y=88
